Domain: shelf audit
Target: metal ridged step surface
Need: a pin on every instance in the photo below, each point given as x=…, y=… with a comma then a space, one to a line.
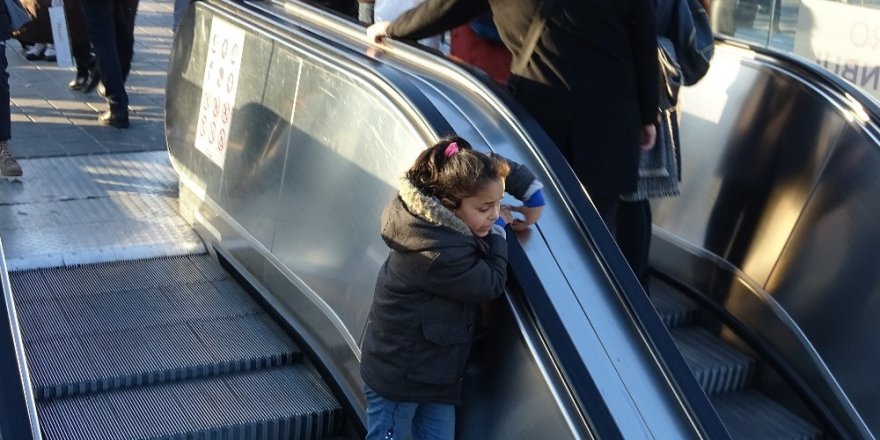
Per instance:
x=288, y=402
x=674, y=308
x=719, y=367
x=102, y=339
x=752, y=415
x=725, y=373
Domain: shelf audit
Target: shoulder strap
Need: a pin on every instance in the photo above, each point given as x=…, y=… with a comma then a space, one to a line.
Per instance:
x=533, y=34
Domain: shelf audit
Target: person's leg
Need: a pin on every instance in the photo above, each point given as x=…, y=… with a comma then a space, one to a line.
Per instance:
x=124, y=14
x=180, y=7
x=98, y=15
x=9, y=167
x=607, y=206
x=387, y=419
x=633, y=236
x=434, y=421
x=82, y=55
x=5, y=113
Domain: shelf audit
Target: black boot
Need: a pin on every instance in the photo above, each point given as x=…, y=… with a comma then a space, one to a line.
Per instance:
x=118, y=119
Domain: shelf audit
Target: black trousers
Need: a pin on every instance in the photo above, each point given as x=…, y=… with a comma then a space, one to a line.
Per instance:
x=5, y=115
x=110, y=24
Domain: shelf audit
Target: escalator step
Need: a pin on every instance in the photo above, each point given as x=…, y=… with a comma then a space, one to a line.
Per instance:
x=125, y=358
x=97, y=327
x=674, y=308
x=289, y=402
x=718, y=367
x=752, y=415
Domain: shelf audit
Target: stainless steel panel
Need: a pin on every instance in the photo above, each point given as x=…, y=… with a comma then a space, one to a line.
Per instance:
x=345, y=151
x=752, y=149
x=778, y=183
x=827, y=279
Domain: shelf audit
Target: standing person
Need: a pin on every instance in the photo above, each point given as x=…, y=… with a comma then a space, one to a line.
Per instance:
x=685, y=46
x=80, y=45
x=110, y=25
x=586, y=70
x=9, y=167
x=479, y=44
x=448, y=254
x=370, y=11
x=36, y=36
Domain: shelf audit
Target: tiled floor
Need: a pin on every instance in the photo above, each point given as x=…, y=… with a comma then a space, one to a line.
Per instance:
x=92, y=193
x=50, y=120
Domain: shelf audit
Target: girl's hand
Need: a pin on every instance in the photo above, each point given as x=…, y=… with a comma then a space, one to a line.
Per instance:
x=378, y=31
x=530, y=216
x=505, y=212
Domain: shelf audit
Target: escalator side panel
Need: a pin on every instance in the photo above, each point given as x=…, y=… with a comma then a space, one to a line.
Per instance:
x=303, y=182
x=779, y=177
x=747, y=170
x=827, y=279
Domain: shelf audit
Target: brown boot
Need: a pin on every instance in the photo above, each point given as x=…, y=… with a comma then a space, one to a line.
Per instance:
x=9, y=167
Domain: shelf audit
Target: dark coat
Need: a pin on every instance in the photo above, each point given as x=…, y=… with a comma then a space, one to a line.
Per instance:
x=5, y=23
x=40, y=29
x=591, y=82
x=424, y=314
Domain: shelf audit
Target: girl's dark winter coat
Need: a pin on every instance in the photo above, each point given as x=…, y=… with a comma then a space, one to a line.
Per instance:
x=424, y=313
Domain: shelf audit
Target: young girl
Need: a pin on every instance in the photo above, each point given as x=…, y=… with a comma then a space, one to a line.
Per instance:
x=448, y=253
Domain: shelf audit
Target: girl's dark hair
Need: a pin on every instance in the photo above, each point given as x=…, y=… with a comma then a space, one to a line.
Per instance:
x=445, y=173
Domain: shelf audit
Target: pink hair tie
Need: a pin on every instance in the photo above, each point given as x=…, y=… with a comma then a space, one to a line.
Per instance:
x=451, y=149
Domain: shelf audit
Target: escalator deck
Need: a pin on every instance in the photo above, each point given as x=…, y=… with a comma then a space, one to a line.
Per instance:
x=167, y=347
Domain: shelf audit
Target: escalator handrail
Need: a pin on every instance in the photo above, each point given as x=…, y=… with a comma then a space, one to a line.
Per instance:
x=701, y=413
x=857, y=99
x=18, y=408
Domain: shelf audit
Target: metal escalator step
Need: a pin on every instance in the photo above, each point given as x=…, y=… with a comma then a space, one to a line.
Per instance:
x=132, y=357
x=752, y=415
x=120, y=276
x=288, y=402
x=110, y=325
x=674, y=308
x=718, y=367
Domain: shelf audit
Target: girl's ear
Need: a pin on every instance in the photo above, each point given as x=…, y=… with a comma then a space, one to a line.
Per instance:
x=447, y=203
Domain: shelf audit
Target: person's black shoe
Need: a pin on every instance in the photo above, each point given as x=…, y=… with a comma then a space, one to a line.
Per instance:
x=92, y=81
x=118, y=120
x=78, y=83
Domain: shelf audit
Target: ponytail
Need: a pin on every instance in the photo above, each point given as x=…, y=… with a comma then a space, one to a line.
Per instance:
x=451, y=170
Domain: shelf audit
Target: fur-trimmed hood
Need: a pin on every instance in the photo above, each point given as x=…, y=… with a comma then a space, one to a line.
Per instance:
x=415, y=221
x=429, y=208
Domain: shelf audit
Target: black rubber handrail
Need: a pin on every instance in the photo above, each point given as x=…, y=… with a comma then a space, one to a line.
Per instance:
x=814, y=74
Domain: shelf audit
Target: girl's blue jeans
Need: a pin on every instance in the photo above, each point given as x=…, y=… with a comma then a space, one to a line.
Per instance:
x=390, y=420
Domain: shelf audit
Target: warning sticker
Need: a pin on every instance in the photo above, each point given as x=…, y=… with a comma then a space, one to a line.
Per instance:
x=218, y=89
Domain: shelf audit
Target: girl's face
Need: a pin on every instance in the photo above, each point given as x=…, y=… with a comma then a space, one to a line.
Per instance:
x=480, y=210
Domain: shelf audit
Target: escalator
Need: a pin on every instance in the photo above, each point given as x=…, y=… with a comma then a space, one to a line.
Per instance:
x=288, y=131
x=163, y=348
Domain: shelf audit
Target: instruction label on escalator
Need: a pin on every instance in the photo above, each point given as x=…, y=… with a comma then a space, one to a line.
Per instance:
x=218, y=90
